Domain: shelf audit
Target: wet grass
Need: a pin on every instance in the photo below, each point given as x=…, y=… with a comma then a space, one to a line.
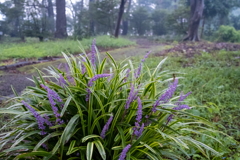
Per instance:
x=214, y=80
x=54, y=48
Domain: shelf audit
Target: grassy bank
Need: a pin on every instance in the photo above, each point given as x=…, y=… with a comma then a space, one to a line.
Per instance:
x=214, y=80
x=54, y=48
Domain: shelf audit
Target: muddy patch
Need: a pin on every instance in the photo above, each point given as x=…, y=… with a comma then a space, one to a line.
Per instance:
x=189, y=49
x=18, y=81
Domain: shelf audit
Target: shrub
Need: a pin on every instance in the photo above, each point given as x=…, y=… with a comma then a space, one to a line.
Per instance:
x=159, y=18
x=94, y=112
x=228, y=34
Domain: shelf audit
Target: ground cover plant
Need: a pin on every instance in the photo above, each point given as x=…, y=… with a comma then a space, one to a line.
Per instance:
x=97, y=112
x=214, y=81
x=54, y=48
x=227, y=34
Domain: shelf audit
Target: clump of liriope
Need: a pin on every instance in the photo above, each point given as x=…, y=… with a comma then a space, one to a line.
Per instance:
x=94, y=112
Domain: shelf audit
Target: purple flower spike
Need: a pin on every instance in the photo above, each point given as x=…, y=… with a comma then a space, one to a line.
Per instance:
x=47, y=121
x=127, y=75
x=52, y=93
x=106, y=127
x=146, y=56
x=141, y=130
x=180, y=107
x=182, y=97
x=138, y=130
x=124, y=152
x=40, y=120
x=135, y=130
x=169, y=118
x=62, y=81
x=93, y=52
x=36, y=115
x=45, y=146
x=166, y=96
x=90, y=83
x=59, y=121
x=139, y=111
x=138, y=71
x=69, y=77
x=83, y=69
x=82, y=66
x=52, y=96
x=131, y=97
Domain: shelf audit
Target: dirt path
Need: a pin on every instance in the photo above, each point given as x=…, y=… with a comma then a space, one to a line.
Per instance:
x=17, y=77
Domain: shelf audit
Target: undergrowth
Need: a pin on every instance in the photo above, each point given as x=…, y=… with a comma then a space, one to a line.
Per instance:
x=214, y=79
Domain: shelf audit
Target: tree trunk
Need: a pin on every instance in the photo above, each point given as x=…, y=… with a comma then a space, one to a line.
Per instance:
x=91, y=23
x=120, y=14
x=125, y=27
x=50, y=16
x=61, y=21
x=81, y=4
x=203, y=25
x=197, y=7
x=17, y=21
x=40, y=38
x=16, y=27
x=126, y=20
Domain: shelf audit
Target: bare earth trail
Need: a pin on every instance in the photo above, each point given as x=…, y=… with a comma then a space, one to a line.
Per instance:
x=17, y=77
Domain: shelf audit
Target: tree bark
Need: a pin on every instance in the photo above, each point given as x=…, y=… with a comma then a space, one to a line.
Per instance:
x=197, y=7
x=61, y=21
x=19, y=7
x=203, y=25
x=91, y=23
x=50, y=16
x=120, y=14
x=126, y=20
x=125, y=27
x=16, y=27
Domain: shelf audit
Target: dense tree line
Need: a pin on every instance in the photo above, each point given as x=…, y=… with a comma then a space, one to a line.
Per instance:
x=84, y=18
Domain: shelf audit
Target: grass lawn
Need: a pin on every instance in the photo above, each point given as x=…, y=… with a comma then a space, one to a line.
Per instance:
x=33, y=49
x=214, y=80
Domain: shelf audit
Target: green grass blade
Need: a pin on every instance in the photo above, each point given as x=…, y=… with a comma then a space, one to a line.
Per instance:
x=54, y=134
x=101, y=149
x=66, y=105
x=34, y=154
x=89, y=150
x=84, y=139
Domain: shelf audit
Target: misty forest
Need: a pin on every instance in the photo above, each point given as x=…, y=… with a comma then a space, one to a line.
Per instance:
x=119, y=79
